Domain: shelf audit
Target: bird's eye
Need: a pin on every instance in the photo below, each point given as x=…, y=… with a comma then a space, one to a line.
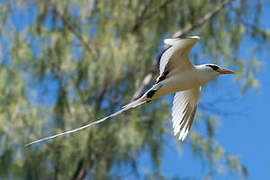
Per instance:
x=214, y=67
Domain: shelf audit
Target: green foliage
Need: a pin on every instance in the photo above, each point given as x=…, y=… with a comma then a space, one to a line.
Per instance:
x=64, y=63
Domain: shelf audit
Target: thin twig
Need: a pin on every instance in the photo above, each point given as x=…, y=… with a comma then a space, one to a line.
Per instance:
x=157, y=10
x=147, y=79
x=208, y=16
x=68, y=22
x=140, y=20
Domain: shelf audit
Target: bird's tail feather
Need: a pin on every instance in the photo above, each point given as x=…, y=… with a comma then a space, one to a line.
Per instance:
x=124, y=108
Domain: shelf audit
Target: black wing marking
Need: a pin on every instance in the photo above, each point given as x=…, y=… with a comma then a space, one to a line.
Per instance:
x=150, y=94
x=161, y=78
x=165, y=48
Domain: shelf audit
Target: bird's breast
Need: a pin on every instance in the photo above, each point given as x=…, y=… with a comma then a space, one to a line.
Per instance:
x=180, y=82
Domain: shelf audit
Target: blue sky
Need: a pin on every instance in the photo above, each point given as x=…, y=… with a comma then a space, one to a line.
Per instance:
x=246, y=134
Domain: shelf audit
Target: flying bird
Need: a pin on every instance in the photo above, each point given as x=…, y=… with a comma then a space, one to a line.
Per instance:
x=176, y=75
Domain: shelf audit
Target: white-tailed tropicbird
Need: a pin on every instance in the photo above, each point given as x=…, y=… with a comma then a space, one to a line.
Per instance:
x=177, y=75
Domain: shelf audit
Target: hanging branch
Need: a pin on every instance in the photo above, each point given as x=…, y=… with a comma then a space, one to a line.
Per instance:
x=207, y=17
x=139, y=21
x=71, y=27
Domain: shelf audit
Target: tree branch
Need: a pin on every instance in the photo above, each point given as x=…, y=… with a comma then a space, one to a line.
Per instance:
x=68, y=23
x=207, y=17
x=147, y=79
x=84, y=162
x=81, y=170
x=139, y=21
x=101, y=95
x=162, y=6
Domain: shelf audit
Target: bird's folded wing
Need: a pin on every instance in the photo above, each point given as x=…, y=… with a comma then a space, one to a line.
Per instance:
x=176, y=53
x=183, y=111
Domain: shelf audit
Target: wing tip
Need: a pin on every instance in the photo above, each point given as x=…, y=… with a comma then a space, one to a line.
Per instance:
x=183, y=135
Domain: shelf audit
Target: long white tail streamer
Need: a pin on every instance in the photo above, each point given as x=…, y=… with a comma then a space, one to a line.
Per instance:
x=125, y=108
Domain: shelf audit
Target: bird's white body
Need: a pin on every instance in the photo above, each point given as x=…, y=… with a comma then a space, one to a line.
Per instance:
x=177, y=75
x=181, y=81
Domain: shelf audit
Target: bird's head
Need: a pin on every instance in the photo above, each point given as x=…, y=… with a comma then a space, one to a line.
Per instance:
x=217, y=70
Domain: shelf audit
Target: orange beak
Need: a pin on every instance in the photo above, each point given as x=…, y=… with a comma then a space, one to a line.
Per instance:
x=225, y=71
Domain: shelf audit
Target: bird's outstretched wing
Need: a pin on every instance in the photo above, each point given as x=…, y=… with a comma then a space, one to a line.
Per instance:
x=183, y=111
x=176, y=55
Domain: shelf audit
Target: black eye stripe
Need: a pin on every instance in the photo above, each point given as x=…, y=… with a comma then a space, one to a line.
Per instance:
x=215, y=68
